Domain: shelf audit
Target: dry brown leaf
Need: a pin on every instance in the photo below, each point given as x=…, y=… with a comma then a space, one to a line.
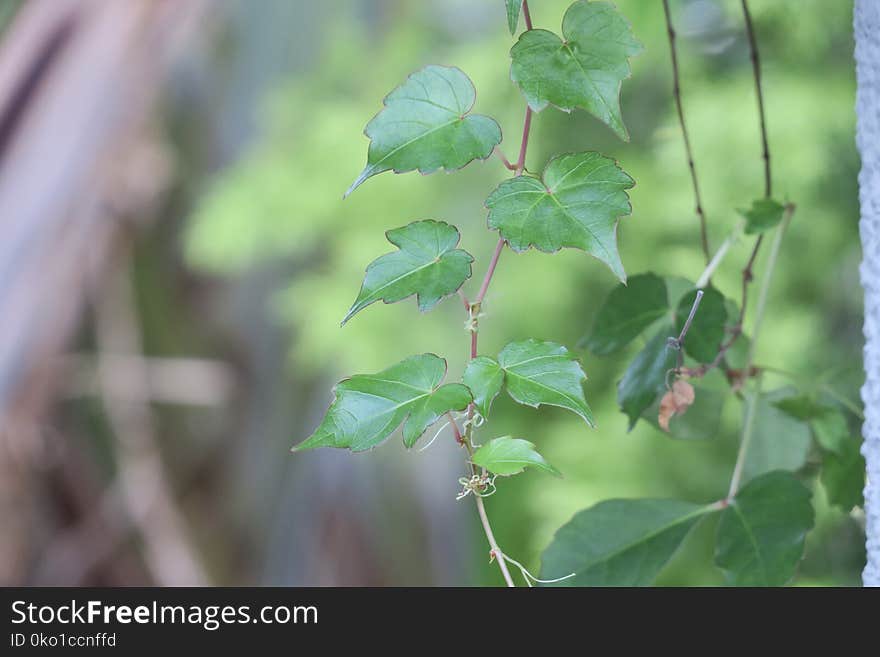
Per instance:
x=675, y=402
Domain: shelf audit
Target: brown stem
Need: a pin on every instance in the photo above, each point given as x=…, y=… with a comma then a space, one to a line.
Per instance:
x=756, y=68
x=676, y=92
x=526, y=15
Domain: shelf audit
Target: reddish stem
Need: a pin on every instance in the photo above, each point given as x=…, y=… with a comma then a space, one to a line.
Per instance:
x=524, y=145
x=526, y=15
x=488, y=277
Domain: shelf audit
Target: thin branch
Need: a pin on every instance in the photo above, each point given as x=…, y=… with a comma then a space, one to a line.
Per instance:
x=690, y=318
x=703, y=280
x=748, y=425
x=493, y=263
x=756, y=68
x=676, y=92
x=495, y=551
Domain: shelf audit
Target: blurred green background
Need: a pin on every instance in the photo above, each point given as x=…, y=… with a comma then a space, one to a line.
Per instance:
x=260, y=258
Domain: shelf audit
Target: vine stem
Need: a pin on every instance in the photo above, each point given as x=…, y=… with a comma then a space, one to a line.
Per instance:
x=473, y=310
x=487, y=279
x=755, y=57
x=495, y=551
x=676, y=93
x=748, y=424
x=756, y=69
x=703, y=280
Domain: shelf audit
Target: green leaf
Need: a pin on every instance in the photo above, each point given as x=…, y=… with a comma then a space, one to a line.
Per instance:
x=831, y=430
x=426, y=125
x=645, y=377
x=628, y=310
x=509, y=456
x=843, y=475
x=800, y=407
x=764, y=214
x=619, y=542
x=544, y=373
x=513, y=7
x=584, y=70
x=779, y=442
x=761, y=534
x=484, y=376
x=368, y=407
x=577, y=205
x=427, y=265
x=707, y=329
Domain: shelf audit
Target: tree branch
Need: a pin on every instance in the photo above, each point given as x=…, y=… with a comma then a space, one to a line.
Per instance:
x=676, y=92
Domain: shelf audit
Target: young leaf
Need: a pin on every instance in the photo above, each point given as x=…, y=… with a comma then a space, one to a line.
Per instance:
x=427, y=265
x=577, y=205
x=484, y=377
x=509, y=456
x=645, y=377
x=544, y=373
x=426, y=125
x=513, y=7
x=760, y=537
x=619, y=542
x=779, y=442
x=368, y=407
x=707, y=329
x=843, y=475
x=764, y=214
x=584, y=70
x=628, y=310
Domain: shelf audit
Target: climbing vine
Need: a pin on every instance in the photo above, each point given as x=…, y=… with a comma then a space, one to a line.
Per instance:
x=696, y=356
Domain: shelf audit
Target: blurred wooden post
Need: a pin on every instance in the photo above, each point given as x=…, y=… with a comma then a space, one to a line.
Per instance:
x=867, y=36
x=78, y=85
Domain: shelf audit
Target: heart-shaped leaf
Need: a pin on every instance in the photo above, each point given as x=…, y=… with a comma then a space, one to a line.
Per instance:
x=760, y=537
x=426, y=125
x=535, y=373
x=628, y=310
x=578, y=204
x=427, y=265
x=368, y=407
x=585, y=69
x=484, y=376
x=544, y=373
x=509, y=456
x=619, y=542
